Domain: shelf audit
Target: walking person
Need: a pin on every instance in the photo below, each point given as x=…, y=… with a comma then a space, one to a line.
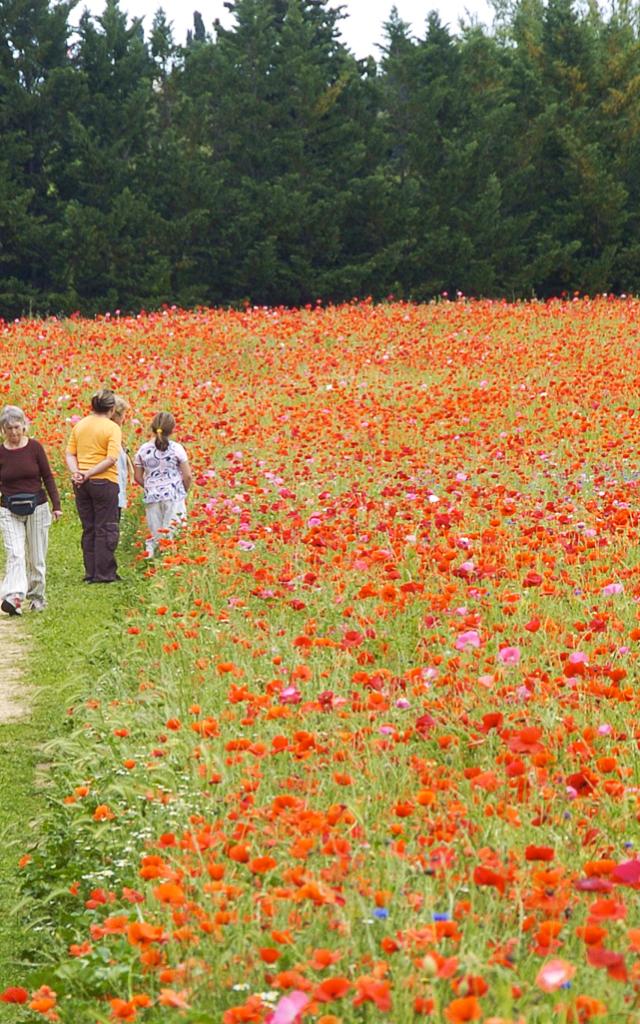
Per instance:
x=161, y=467
x=92, y=457
x=25, y=516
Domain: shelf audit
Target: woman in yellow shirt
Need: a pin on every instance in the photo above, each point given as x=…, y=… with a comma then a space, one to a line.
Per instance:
x=92, y=456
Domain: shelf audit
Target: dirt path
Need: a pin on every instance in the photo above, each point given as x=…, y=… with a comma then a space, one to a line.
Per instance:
x=15, y=697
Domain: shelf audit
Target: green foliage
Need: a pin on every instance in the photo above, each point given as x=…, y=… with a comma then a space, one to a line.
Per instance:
x=264, y=162
x=60, y=648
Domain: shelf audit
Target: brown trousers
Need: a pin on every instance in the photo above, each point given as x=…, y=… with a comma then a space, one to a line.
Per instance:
x=97, y=504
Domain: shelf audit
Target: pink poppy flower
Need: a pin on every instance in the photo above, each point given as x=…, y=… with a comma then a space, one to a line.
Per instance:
x=578, y=658
x=288, y=1009
x=554, y=974
x=611, y=589
x=509, y=655
x=290, y=695
x=470, y=638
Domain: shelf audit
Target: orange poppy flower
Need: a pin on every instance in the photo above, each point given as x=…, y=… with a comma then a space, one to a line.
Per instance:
x=464, y=1009
x=331, y=988
x=261, y=865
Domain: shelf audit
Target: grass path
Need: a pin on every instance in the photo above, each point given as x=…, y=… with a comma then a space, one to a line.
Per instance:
x=18, y=795
x=15, y=695
x=45, y=662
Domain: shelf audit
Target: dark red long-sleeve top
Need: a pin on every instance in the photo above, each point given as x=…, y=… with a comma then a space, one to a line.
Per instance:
x=25, y=470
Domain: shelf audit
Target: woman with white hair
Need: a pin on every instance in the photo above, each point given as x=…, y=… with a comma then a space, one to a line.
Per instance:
x=24, y=513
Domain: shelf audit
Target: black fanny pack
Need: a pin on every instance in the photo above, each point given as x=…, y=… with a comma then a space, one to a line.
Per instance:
x=21, y=504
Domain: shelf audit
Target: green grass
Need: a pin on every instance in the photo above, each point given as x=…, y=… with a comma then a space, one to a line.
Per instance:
x=66, y=647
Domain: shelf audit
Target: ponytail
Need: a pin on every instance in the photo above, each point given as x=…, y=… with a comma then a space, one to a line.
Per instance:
x=162, y=426
x=162, y=442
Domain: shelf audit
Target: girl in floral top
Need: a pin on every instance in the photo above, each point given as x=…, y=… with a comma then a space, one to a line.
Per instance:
x=162, y=467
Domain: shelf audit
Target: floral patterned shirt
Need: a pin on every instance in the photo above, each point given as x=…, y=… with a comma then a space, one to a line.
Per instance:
x=162, y=475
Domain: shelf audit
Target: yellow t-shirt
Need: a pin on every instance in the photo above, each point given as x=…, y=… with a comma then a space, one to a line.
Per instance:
x=93, y=439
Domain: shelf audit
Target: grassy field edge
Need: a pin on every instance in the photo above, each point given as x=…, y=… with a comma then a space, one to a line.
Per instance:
x=67, y=646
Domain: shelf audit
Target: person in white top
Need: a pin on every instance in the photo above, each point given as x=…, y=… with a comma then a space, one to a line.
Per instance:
x=161, y=467
x=124, y=463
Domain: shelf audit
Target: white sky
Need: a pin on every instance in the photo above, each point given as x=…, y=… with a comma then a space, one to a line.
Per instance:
x=361, y=29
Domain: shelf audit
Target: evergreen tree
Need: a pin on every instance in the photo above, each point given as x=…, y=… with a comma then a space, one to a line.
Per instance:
x=480, y=169
x=36, y=95
x=426, y=147
x=264, y=161
x=577, y=207
x=619, y=119
x=113, y=236
x=175, y=180
x=286, y=119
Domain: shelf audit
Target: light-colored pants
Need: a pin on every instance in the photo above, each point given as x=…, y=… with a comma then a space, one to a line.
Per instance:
x=163, y=519
x=25, y=543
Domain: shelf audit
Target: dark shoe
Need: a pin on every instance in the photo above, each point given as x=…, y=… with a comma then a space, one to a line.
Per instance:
x=12, y=607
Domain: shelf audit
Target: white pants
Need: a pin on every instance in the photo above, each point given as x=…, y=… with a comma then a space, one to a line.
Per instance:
x=25, y=542
x=163, y=519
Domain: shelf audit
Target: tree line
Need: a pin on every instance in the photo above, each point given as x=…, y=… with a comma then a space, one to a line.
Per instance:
x=266, y=163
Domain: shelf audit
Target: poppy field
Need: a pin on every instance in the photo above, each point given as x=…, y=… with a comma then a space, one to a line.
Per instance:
x=365, y=745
